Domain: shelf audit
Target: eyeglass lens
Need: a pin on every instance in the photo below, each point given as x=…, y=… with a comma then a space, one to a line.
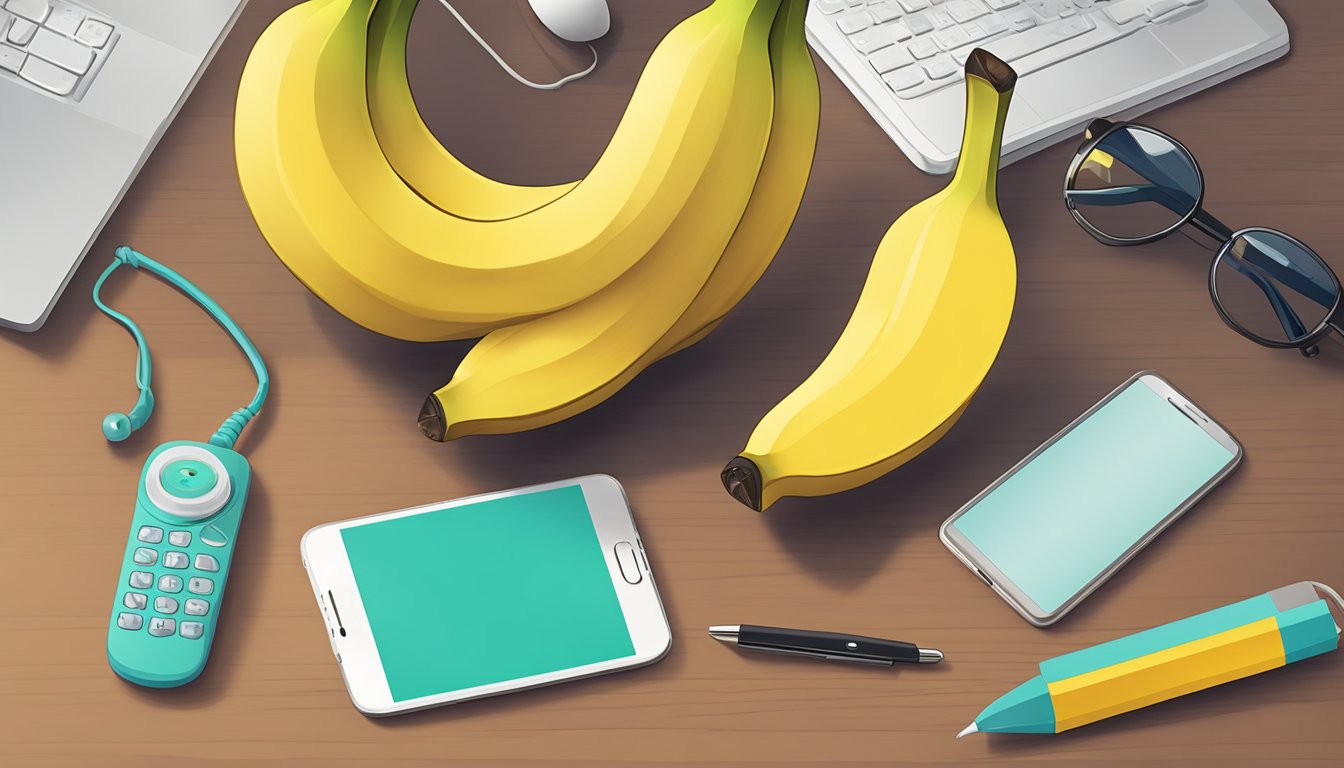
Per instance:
x=1135, y=183
x=1273, y=287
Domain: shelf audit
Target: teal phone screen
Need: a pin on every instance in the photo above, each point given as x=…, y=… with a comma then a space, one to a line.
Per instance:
x=487, y=592
x=1078, y=506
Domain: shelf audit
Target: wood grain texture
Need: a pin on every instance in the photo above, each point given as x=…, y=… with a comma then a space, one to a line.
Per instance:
x=339, y=440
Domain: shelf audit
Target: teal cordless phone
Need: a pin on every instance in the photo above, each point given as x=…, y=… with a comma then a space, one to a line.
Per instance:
x=188, y=507
x=187, y=511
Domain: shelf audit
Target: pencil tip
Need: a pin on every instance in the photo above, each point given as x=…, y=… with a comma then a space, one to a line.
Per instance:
x=968, y=730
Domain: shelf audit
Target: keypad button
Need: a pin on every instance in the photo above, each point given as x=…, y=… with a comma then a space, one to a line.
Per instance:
x=192, y=630
x=180, y=538
x=162, y=627
x=130, y=621
x=170, y=583
x=135, y=600
x=207, y=563
x=145, y=556
x=175, y=560
x=165, y=605
x=66, y=20
x=197, y=607
x=200, y=586
x=141, y=579
x=94, y=33
x=213, y=536
x=149, y=534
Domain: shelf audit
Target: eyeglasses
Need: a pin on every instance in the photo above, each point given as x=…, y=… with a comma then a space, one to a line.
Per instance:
x=1131, y=185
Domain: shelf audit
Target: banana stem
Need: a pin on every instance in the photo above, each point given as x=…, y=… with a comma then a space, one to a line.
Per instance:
x=989, y=90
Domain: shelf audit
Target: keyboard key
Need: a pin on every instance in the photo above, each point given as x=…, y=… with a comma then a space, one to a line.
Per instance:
x=145, y=556
x=1161, y=7
x=1000, y=5
x=67, y=54
x=891, y=58
x=130, y=621
x=952, y=37
x=141, y=580
x=1124, y=11
x=963, y=11
x=911, y=6
x=872, y=39
x=831, y=6
x=180, y=538
x=855, y=22
x=941, y=20
x=165, y=605
x=192, y=630
x=161, y=627
x=21, y=31
x=884, y=12
x=66, y=20
x=197, y=607
x=11, y=58
x=200, y=586
x=33, y=10
x=149, y=534
x=903, y=79
x=207, y=563
x=94, y=33
x=939, y=69
x=1019, y=20
x=175, y=560
x=1050, y=9
x=135, y=600
x=170, y=583
x=56, y=80
x=993, y=25
x=1039, y=38
x=923, y=48
x=918, y=23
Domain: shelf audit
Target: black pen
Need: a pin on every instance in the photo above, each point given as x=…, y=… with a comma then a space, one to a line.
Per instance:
x=831, y=646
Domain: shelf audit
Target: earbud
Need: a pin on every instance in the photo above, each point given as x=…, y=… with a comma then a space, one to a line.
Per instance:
x=119, y=426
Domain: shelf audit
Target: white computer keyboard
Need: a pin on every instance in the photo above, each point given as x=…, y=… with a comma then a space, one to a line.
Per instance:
x=920, y=46
x=57, y=47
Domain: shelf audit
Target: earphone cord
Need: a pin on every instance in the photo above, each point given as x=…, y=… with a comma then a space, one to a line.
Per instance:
x=228, y=432
x=1339, y=601
x=512, y=73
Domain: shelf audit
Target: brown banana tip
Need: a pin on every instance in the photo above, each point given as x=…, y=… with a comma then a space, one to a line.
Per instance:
x=742, y=479
x=992, y=69
x=431, y=420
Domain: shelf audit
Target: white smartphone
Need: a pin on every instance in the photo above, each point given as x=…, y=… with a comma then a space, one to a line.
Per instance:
x=486, y=595
x=1064, y=519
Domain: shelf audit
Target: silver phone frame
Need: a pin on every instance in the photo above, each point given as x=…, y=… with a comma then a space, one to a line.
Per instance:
x=328, y=568
x=980, y=565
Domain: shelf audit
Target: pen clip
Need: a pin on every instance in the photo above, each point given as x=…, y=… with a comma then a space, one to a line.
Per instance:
x=818, y=655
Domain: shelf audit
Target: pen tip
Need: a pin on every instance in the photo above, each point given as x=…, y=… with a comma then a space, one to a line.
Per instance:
x=968, y=730
x=726, y=633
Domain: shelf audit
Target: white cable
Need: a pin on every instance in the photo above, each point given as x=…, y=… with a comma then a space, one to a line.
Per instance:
x=1329, y=591
x=499, y=60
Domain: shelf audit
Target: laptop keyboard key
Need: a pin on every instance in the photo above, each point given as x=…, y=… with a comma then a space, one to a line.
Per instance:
x=21, y=31
x=11, y=58
x=63, y=52
x=66, y=20
x=94, y=33
x=33, y=10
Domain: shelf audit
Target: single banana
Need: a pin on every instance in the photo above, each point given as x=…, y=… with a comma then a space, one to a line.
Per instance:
x=333, y=195
x=411, y=148
x=553, y=367
x=926, y=329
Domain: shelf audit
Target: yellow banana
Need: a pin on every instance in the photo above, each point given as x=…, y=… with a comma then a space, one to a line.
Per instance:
x=331, y=193
x=550, y=368
x=413, y=151
x=926, y=329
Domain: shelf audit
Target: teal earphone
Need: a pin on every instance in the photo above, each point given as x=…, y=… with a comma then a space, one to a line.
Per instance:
x=119, y=426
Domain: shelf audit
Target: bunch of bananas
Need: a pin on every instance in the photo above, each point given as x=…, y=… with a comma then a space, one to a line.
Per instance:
x=926, y=330
x=576, y=287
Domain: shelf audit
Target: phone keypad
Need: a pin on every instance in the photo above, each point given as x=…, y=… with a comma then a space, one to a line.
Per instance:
x=137, y=602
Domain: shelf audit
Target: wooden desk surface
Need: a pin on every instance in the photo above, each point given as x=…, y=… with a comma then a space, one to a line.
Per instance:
x=339, y=440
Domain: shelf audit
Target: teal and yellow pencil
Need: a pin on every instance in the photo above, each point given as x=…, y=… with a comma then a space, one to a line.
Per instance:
x=1238, y=640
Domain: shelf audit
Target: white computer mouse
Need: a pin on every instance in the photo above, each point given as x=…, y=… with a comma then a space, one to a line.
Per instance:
x=578, y=21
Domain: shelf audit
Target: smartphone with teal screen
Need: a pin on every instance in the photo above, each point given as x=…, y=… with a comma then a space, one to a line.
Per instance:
x=1068, y=516
x=486, y=595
